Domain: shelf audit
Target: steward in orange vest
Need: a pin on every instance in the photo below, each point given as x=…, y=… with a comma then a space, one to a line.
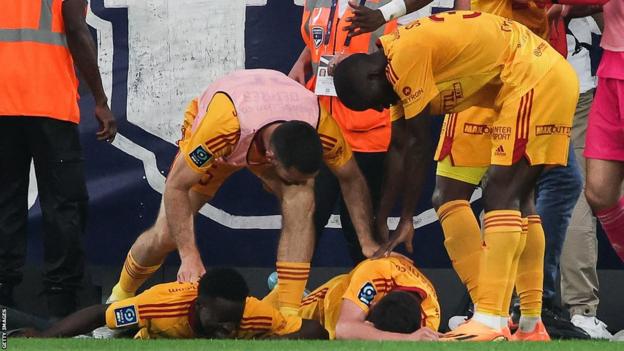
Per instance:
x=39, y=42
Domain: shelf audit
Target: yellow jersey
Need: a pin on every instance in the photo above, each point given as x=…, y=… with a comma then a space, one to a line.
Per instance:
x=166, y=311
x=365, y=285
x=458, y=59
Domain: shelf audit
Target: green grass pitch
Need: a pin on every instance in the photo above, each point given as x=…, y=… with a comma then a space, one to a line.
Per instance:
x=286, y=345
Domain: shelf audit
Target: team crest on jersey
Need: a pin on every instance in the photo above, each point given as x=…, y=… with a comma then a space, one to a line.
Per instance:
x=200, y=156
x=367, y=294
x=317, y=36
x=125, y=316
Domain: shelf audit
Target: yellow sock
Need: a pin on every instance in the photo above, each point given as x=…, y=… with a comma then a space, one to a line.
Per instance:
x=132, y=276
x=501, y=236
x=514, y=268
x=462, y=241
x=530, y=279
x=291, y=281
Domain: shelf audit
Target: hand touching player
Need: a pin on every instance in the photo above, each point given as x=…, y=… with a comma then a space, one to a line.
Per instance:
x=424, y=334
x=364, y=19
x=191, y=269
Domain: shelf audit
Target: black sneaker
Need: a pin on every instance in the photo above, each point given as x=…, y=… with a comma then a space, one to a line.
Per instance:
x=559, y=327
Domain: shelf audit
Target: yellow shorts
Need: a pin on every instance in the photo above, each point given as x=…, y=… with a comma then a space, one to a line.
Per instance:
x=465, y=137
x=470, y=175
x=537, y=125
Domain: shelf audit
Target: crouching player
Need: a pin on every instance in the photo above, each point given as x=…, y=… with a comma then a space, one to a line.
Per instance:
x=218, y=307
x=382, y=299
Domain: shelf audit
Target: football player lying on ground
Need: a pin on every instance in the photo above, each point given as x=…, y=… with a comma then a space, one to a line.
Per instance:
x=382, y=299
x=218, y=307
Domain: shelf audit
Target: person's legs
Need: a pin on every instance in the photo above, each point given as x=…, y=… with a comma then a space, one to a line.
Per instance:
x=14, y=174
x=63, y=195
x=579, y=257
x=557, y=191
x=605, y=159
x=451, y=199
x=371, y=165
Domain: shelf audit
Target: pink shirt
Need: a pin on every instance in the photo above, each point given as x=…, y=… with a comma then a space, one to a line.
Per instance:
x=261, y=97
x=613, y=34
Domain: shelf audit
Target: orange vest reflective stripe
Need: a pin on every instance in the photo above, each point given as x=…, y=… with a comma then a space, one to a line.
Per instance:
x=367, y=131
x=37, y=76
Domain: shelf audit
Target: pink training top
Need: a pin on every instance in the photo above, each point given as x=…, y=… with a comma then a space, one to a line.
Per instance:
x=612, y=62
x=260, y=97
x=613, y=34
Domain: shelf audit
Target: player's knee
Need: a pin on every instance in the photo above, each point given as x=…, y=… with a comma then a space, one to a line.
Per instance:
x=438, y=199
x=599, y=198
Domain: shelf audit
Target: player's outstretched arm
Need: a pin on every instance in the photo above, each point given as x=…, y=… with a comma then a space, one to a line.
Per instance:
x=77, y=323
x=310, y=329
x=406, y=167
x=357, y=198
x=179, y=213
x=352, y=325
x=365, y=20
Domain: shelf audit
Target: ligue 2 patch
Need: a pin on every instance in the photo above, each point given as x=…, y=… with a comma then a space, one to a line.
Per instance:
x=125, y=316
x=367, y=293
x=317, y=36
x=200, y=156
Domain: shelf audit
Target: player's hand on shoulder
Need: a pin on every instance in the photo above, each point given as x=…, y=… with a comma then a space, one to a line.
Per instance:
x=191, y=269
x=424, y=334
x=364, y=19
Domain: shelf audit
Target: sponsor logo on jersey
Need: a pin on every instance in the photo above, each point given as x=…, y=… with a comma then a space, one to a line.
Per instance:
x=501, y=133
x=317, y=36
x=552, y=129
x=125, y=316
x=200, y=156
x=477, y=129
x=367, y=293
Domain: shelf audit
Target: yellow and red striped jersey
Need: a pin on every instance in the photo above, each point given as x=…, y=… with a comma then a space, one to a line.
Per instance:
x=165, y=311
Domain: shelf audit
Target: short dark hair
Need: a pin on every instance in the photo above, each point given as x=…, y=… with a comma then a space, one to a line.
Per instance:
x=297, y=144
x=397, y=312
x=225, y=283
x=347, y=75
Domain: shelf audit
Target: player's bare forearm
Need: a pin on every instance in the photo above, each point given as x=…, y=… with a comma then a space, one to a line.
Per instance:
x=77, y=323
x=82, y=47
x=357, y=198
x=310, y=329
x=296, y=242
x=393, y=169
x=180, y=220
x=462, y=5
x=418, y=156
x=415, y=5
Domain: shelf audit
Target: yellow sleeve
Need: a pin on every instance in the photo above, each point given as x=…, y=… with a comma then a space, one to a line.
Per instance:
x=336, y=150
x=369, y=282
x=214, y=137
x=410, y=71
x=261, y=320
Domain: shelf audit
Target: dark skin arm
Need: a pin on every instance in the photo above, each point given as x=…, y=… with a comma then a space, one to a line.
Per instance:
x=84, y=53
x=407, y=162
x=310, y=329
x=365, y=20
x=77, y=323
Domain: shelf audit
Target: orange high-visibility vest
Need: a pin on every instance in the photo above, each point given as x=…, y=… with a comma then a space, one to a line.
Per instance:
x=367, y=131
x=37, y=76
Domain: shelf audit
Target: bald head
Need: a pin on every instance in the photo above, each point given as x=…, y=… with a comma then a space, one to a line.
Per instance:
x=361, y=82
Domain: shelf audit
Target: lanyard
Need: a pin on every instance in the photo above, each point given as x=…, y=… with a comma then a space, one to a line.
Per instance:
x=330, y=21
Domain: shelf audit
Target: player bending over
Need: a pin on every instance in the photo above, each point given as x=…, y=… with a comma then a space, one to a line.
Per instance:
x=266, y=122
x=447, y=63
x=217, y=307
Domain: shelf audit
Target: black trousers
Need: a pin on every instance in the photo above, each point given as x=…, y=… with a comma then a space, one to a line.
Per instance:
x=55, y=148
x=327, y=195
